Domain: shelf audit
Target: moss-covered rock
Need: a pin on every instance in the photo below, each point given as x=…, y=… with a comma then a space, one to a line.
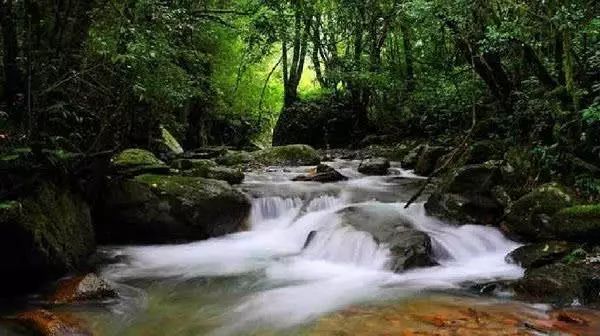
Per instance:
x=375, y=166
x=43, y=236
x=529, y=217
x=187, y=164
x=561, y=284
x=469, y=196
x=135, y=161
x=412, y=157
x=168, y=143
x=428, y=160
x=234, y=158
x=163, y=209
x=578, y=223
x=540, y=254
x=485, y=150
x=229, y=175
x=290, y=155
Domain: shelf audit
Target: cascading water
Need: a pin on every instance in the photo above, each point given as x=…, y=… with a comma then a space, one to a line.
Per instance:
x=338, y=266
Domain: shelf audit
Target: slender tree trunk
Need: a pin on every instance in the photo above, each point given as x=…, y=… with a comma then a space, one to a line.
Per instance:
x=13, y=89
x=408, y=57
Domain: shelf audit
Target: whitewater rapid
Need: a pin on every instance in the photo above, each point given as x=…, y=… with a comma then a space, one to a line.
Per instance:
x=339, y=266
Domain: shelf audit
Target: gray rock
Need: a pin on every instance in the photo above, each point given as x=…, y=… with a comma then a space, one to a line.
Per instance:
x=376, y=166
x=428, y=160
x=323, y=174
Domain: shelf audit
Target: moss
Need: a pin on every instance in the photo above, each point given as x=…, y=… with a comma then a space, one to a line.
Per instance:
x=134, y=157
x=526, y=218
x=169, y=141
x=234, y=158
x=192, y=188
x=392, y=153
x=581, y=223
x=301, y=155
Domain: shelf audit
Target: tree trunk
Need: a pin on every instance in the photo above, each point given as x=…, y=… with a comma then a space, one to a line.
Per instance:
x=13, y=87
x=408, y=57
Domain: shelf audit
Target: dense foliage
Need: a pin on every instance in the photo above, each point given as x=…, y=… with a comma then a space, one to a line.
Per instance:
x=102, y=74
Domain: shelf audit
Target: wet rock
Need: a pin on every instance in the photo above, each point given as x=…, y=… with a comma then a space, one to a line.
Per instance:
x=204, y=153
x=376, y=166
x=82, y=288
x=579, y=223
x=135, y=161
x=529, y=217
x=290, y=155
x=428, y=160
x=163, y=209
x=43, y=236
x=45, y=323
x=540, y=254
x=561, y=284
x=411, y=159
x=469, y=196
x=323, y=174
x=409, y=247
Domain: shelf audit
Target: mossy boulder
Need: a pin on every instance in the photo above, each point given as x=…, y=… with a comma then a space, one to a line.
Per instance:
x=412, y=157
x=428, y=160
x=540, y=254
x=230, y=175
x=166, y=209
x=234, y=158
x=529, y=217
x=43, y=236
x=577, y=223
x=168, y=143
x=485, y=150
x=136, y=161
x=374, y=166
x=469, y=196
x=187, y=164
x=290, y=155
x=561, y=283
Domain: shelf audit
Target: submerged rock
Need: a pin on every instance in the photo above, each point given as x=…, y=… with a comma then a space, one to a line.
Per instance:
x=82, y=288
x=323, y=174
x=376, y=166
x=163, y=209
x=43, y=236
x=409, y=247
x=45, y=323
x=135, y=161
x=529, y=217
x=578, y=223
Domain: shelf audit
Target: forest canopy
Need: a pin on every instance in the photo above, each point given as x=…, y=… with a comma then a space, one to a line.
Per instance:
x=105, y=74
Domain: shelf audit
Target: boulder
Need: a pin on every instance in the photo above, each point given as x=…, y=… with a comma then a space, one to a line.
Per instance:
x=43, y=236
x=529, y=217
x=323, y=174
x=234, y=158
x=229, y=175
x=290, y=155
x=428, y=160
x=165, y=209
x=135, y=161
x=561, y=284
x=540, y=254
x=81, y=289
x=579, y=223
x=168, y=144
x=409, y=247
x=376, y=166
x=187, y=164
x=469, y=196
x=410, y=160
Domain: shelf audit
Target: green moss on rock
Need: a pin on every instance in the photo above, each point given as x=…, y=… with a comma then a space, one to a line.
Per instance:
x=234, y=158
x=579, y=223
x=135, y=161
x=530, y=215
x=300, y=155
x=163, y=209
x=44, y=235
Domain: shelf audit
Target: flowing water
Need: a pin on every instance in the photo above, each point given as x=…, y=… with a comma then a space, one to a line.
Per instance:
x=270, y=281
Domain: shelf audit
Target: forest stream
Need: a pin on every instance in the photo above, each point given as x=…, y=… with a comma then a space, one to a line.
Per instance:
x=300, y=269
